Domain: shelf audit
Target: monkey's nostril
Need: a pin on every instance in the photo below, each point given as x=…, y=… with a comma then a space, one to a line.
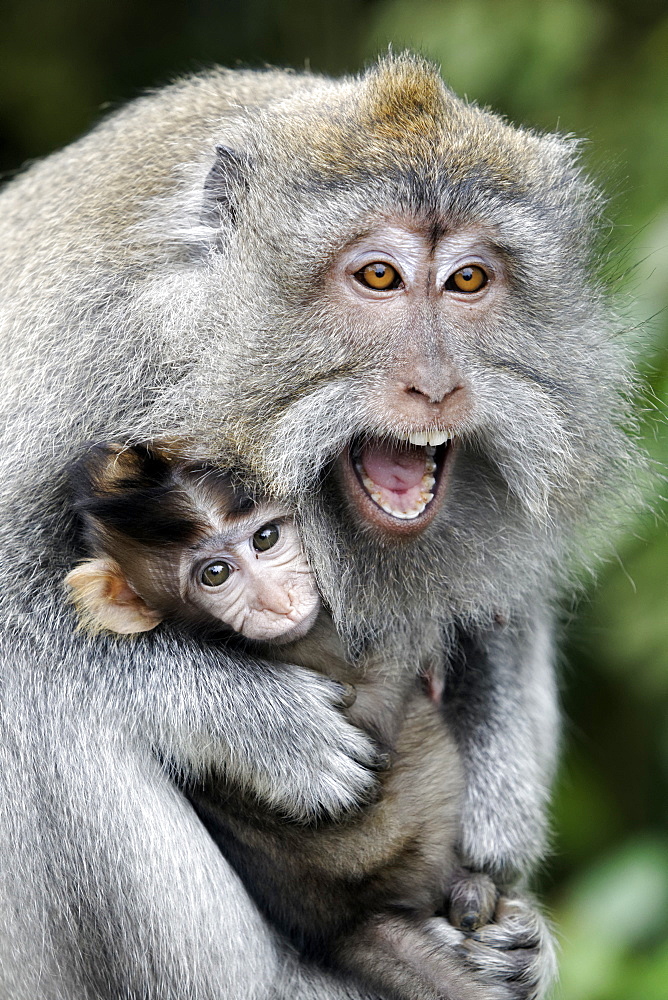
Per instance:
x=413, y=390
x=434, y=395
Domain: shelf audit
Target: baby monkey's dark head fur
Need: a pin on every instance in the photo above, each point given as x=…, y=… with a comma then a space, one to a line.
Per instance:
x=176, y=539
x=142, y=493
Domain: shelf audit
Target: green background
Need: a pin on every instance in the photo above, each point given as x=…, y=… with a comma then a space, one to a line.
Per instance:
x=599, y=70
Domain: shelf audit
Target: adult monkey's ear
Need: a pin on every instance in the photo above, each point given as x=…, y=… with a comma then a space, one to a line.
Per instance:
x=224, y=187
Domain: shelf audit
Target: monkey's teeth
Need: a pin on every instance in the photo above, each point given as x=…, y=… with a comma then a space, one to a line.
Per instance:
x=369, y=484
x=433, y=438
x=425, y=496
x=406, y=515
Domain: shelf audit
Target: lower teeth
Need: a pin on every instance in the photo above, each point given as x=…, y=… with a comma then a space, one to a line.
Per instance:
x=426, y=496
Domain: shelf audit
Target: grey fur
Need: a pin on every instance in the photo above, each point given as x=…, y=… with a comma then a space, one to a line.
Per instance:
x=130, y=310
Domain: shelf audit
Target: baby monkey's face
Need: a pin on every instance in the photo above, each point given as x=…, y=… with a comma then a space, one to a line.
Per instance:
x=254, y=577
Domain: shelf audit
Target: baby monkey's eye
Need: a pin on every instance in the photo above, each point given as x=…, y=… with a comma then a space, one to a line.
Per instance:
x=467, y=279
x=214, y=574
x=266, y=537
x=379, y=275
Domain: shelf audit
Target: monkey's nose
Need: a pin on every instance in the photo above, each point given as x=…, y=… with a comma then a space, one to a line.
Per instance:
x=429, y=398
x=434, y=395
x=272, y=598
x=431, y=381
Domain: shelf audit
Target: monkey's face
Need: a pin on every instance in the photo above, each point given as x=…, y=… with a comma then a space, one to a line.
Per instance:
x=412, y=345
x=254, y=578
x=420, y=292
x=412, y=311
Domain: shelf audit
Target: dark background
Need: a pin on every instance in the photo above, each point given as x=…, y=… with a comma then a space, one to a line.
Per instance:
x=599, y=70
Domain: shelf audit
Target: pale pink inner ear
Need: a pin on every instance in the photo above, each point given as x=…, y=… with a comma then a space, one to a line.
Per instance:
x=126, y=611
x=120, y=592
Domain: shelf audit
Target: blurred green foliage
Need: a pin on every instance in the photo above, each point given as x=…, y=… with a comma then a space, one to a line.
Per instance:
x=600, y=70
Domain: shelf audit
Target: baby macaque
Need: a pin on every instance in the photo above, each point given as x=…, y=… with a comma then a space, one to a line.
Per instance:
x=177, y=540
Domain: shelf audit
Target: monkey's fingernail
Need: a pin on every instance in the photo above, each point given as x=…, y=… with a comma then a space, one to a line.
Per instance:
x=383, y=761
x=347, y=695
x=470, y=922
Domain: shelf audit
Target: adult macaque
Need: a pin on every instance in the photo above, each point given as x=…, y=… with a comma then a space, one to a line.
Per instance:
x=358, y=894
x=316, y=282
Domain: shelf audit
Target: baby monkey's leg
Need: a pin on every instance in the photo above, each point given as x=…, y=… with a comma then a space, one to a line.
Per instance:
x=397, y=955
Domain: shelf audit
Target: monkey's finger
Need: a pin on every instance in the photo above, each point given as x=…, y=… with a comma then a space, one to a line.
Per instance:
x=381, y=757
x=517, y=924
x=508, y=975
x=472, y=900
x=383, y=760
x=347, y=694
x=516, y=952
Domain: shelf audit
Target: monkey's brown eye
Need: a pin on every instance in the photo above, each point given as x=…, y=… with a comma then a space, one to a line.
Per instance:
x=467, y=279
x=266, y=537
x=379, y=275
x=214, y=574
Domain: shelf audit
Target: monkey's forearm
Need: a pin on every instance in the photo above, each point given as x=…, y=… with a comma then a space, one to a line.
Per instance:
x=502, y=707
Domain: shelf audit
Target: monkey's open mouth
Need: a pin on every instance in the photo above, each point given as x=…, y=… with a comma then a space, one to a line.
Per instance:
x=398, y=486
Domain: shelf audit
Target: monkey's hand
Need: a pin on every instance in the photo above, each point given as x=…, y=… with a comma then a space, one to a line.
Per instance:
x=276, y=730
x=513, y=957
x=314, y=763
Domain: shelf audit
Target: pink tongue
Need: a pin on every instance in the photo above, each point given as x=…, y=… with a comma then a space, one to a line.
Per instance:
x=394, y=468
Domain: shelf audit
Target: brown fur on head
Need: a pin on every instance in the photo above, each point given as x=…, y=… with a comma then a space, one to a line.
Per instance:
x=404, y=96
x=399, y=118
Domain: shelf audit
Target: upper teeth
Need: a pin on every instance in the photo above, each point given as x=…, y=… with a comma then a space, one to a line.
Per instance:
x=428, y=437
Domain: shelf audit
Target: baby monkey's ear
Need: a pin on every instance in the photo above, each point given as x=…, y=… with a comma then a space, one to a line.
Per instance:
x=105, y=600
